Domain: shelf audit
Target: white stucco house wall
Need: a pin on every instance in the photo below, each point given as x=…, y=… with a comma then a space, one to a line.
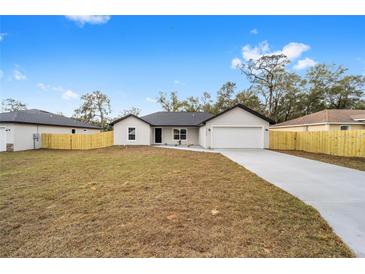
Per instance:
x=237, y=127
x=21, y=130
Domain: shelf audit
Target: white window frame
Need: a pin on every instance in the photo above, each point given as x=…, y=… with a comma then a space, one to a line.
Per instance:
x=348, y=127
x=179, y=129
x=135, y=134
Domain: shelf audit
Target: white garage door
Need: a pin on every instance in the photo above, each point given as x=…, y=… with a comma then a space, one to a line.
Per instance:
x=237, y=137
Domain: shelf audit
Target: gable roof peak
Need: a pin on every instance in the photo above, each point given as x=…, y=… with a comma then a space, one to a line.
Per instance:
x=242, y=106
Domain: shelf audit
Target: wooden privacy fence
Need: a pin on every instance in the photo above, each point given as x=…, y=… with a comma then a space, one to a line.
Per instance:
x=77, y=141
x=349, y=143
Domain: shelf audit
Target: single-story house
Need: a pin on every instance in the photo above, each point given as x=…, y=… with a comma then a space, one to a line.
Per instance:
x=21, y=130
x=325, y=120
x=236, y=127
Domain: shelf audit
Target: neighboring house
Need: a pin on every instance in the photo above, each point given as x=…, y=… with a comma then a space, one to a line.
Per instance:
x=329, y=119
x=21, y=130
x=237, y=127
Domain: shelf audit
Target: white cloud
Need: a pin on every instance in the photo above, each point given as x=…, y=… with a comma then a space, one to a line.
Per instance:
x=178, y=82
x=292, y=50
x=2, y=35
x=18, y=75
x=254, y=31
x=305, y=63
x=89, y=19
x=58, y=88
x=236, y=63
x=148, y=99
x=43, y=86
x=69, y=94
x=1, y=74
x=255, y=53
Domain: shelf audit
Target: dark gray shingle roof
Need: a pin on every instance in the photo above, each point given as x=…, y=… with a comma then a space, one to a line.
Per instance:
x=36, y=116
x=176, y=118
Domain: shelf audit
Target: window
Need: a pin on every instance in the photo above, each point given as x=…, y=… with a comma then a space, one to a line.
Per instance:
x=131, y=133
x=176, y=134
x=183, y=134
x=180, y=133
x=73, y=131
x=344, y=127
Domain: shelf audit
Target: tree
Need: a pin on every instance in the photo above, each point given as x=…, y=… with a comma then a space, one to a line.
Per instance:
x=207, y=103
x=192, y=104
x=290, y=104
x=319, y=80
x=11, y=104
x=170, y=102
x=196, y=104
x=347, y=92
x=225, y=97
x=250, y=99
x=95, y=108
x=267, y=73
x=134, y=110
x=330, y=87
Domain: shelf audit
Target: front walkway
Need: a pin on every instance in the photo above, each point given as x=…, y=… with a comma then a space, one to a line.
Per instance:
x=190, y=148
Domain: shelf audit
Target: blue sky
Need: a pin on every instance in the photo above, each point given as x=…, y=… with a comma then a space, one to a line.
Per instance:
x=49, y=61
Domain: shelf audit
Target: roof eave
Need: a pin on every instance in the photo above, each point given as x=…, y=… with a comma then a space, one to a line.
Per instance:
x=153, y=125
x=49, y=124
x=244, y=108
x=127, y=116
x=318, y=124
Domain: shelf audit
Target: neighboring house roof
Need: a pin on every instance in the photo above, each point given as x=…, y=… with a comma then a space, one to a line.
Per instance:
x=326, y=116
x=41, y=117
x=358, y=117
x=244, y=108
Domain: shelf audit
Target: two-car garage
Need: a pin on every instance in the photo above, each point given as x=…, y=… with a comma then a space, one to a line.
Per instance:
x=237, y=127
x=237, y=137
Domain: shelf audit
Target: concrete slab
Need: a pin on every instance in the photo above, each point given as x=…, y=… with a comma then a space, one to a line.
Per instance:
x=338, y=193
x=190, y=148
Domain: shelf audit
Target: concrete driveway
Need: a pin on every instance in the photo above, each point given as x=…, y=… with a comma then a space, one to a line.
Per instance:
x=338, y=193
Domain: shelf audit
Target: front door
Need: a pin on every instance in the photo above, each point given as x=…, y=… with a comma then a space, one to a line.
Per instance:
x=158, y=135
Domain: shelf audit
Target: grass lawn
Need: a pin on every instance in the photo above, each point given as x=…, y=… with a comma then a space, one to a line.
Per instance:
x=351, y=162
x=150, y=202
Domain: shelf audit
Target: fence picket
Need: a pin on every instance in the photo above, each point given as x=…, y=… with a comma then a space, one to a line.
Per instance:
x=341, y=143
x=77, y=141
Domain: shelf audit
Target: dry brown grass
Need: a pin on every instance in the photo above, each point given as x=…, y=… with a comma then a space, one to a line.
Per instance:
x=150, y=202
x=351, y=162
